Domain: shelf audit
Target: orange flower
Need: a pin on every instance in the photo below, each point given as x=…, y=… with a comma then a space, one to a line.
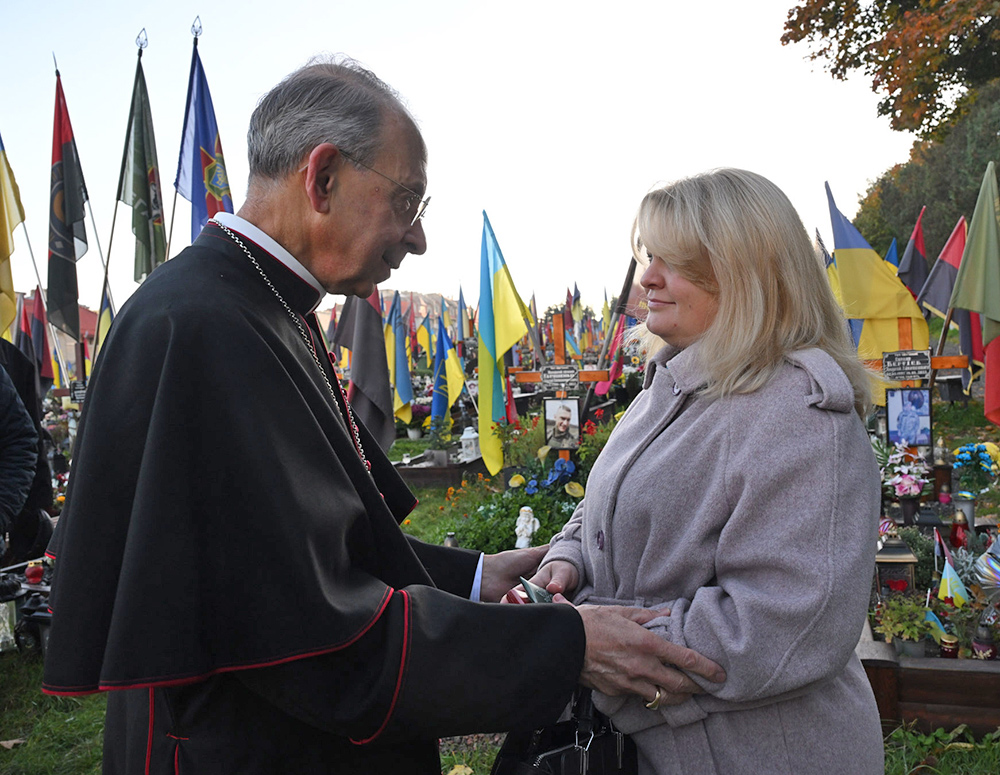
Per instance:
x=406, y=522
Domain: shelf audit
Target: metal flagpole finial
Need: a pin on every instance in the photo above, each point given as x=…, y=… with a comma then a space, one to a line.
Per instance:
x=55, y=63
x=196, y=27
x=142, y=40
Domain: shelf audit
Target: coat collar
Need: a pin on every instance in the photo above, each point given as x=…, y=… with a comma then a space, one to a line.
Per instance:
x=300, y=294
x=684, y=366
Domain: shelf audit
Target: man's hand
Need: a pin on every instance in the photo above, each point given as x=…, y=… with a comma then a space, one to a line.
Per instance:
x=503, y=571
x=557, y=576
x=624, y=658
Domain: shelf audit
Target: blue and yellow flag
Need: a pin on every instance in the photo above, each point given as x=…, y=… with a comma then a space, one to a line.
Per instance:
x=952, y=586
x=937, y=629
x=448, y=377
x=501, y=326
x=891, y=255
x=425, y=339
x=464, y=322
x=11, y=214
x=399, y=362
x=872, y=297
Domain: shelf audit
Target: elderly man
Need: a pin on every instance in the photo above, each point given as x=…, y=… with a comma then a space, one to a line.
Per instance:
x=229, y=560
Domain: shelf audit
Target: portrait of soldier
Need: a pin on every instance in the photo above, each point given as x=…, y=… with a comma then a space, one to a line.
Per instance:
x=562, y=424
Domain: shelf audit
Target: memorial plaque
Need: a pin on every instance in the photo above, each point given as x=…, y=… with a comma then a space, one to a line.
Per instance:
x=906, y=365
x=566, y=377
x=77, y=391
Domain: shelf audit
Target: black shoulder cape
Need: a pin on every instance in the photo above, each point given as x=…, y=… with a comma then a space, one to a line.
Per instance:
x=218, y=515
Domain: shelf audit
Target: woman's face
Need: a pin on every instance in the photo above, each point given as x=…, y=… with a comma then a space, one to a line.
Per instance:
x=679, y=311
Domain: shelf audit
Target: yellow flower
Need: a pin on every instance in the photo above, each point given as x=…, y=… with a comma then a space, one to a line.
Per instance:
x=61, y=498
x=993, y=449
x=516, y=481
x=543, y=452
x=575, y=489
x=406, y=522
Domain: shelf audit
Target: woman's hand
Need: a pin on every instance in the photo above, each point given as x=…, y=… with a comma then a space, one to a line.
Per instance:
x=557, y=576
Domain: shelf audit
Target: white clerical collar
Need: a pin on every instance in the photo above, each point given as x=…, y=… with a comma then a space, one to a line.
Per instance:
x=248, y=230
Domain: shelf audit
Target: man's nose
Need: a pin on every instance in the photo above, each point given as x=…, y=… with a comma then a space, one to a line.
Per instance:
x=415, y=239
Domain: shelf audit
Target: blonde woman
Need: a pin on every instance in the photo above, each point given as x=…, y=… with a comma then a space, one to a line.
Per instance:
x=739, y=494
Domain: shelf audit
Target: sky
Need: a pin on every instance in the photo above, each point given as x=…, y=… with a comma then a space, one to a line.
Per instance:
x=554, y=117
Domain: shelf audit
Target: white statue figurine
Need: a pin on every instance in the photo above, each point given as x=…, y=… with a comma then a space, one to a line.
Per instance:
x=525, y=528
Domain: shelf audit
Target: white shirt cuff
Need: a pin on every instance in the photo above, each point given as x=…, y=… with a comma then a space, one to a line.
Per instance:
x=477, y=582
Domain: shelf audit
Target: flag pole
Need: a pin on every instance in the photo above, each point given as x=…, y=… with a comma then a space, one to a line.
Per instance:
x=195, y=34
x=617, y=312
x=609, y=334
x=45, y=301
x=141, y=42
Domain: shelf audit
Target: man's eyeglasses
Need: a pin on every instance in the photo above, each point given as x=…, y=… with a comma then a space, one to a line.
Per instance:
x=412, y=203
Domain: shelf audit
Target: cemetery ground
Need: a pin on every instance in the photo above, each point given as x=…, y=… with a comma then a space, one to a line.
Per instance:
x=41, y=735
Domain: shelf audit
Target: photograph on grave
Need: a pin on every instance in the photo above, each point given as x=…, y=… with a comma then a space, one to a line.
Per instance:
x=909, y=415
x=562, y=423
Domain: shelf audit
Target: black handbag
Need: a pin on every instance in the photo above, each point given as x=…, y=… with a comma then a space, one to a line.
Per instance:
x=585, y=744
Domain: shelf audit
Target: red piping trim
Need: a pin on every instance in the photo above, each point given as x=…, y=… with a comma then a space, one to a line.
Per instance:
x=149, y=739
x=402, y=671
x=168, y=682
x=177, y=750
x=50, y=555
x=177, y=738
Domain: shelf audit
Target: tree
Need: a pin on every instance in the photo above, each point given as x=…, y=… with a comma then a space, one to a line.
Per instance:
x=943, y=174
x=923, y=56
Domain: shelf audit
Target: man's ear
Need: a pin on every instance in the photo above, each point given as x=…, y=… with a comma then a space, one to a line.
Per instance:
x=321, y=176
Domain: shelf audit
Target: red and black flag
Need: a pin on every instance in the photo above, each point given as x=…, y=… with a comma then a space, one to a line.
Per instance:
x=913, y=269
x=40, y=341
x=370, y=393
x=67, y=235
x=936, y=296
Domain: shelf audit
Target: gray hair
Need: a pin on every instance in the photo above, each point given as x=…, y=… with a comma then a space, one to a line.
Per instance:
x=333, y=101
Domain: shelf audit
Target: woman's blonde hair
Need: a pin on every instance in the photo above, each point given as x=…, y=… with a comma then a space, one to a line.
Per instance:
x=734, y=234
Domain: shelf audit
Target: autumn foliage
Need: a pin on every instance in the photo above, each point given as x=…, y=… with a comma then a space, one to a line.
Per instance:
x=923, y=56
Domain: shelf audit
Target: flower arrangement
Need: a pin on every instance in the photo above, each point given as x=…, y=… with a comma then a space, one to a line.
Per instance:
x=483, y=512
x=420, y=412
x=904, y=473
x=977, y=466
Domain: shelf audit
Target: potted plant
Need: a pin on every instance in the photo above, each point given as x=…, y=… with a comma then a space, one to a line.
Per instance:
x=905, y=476
x=419, y=412
x=902, y=620
x=977, y=466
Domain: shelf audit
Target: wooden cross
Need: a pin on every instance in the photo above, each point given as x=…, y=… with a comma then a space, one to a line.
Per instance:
x=559, y=357
x=938, y=362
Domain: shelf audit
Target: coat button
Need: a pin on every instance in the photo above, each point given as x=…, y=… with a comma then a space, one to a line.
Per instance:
x=600, y=540
x=677, y=390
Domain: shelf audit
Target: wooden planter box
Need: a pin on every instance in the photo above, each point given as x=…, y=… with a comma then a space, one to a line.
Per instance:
x=932, y=691
x=440, y=476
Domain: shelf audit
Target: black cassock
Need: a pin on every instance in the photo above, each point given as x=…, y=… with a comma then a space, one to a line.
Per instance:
x=227, y=564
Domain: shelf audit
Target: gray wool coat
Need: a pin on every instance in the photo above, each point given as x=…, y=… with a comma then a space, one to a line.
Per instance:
x=753, y=519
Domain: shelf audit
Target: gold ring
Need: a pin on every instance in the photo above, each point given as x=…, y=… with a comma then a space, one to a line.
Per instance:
x=654, y=703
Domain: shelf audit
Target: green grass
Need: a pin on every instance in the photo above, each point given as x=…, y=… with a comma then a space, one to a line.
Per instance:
x=405, y=446
x=63, y=735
